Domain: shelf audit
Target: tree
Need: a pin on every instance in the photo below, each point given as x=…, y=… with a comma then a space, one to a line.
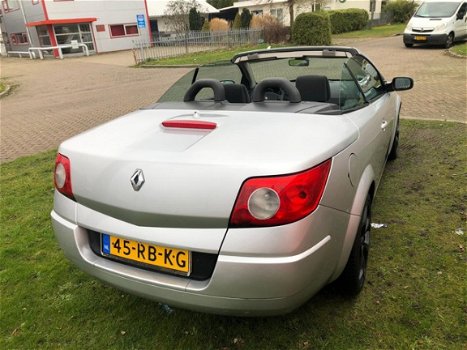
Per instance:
x=245, y=18
x=195, y=19
x=218, y=4
x=178, y=11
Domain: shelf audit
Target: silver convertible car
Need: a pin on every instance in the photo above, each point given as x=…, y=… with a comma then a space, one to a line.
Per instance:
x=244, y=190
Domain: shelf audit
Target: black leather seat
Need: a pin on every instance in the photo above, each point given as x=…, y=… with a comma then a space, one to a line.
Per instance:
x=313, y=88
x=236, y=93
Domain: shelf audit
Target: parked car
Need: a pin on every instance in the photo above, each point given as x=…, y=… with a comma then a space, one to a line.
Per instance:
x=437, y=23
x=244, y=190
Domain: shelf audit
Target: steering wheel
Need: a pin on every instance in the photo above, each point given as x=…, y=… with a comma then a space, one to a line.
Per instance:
x=276, y=83
x=197, y=86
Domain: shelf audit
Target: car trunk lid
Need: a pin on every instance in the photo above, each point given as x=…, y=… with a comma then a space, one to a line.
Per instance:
x=192, y=175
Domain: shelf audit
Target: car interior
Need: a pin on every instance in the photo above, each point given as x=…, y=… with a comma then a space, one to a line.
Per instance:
x=308, y=85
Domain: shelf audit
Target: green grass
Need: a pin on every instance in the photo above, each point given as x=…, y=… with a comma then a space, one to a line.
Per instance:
x=460, y=49
x=206, y=56
x=375, y=32
x=415, y=297
x=2, y=86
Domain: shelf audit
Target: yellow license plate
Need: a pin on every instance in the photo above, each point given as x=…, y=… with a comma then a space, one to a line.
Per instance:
x=149, y=254
x=418, y=37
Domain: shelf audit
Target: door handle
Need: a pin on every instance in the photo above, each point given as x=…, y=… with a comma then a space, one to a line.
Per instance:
x=384, y=124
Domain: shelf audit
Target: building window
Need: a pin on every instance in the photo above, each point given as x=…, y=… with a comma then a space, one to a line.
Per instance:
x=65, y=34
x=278, y=13
x=19, y=39
x=10, y=5
x=121, y=30
x=43, y=35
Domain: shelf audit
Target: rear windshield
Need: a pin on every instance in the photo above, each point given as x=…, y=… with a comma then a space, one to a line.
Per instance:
x=437, y=9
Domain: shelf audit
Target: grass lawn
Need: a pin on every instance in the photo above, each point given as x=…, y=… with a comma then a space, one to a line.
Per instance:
x=375, y=32
x=415, y=297
x=460, y=49
x=2, y=86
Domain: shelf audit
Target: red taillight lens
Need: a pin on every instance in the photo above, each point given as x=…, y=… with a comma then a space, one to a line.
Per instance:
x=279, y=200
x=62, y=176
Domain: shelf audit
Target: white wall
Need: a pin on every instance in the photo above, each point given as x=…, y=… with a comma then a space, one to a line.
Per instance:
x=107, y=12
x=305, y=6
x=357, y=4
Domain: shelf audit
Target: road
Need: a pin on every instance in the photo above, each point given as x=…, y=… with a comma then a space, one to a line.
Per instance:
x=56, y=99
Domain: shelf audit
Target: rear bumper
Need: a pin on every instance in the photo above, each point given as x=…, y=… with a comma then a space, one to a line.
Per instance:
x=430, y=39
x=250, y=282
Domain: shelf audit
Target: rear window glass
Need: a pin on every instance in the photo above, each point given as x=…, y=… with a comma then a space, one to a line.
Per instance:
x=225, y=72
x=345, y=92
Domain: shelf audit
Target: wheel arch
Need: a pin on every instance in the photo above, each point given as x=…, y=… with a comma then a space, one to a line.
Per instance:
x=366, y=187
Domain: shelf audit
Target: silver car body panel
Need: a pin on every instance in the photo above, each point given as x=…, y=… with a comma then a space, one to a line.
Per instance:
x=236, y=150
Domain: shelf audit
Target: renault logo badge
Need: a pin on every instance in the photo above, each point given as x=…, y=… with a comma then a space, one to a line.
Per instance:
x=137, y=179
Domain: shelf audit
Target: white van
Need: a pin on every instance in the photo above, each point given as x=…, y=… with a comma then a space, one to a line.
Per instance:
x=437, y=22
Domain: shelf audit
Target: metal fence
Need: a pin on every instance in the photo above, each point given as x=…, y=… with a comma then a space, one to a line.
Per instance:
x=176, y=45
x=384, y=18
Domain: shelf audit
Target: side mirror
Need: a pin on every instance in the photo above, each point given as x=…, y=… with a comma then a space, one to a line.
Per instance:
x=400, y=84
x=460, y=14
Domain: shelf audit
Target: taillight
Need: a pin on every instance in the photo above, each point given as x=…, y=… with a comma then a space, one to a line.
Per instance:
x=279, y=200
x=62, y=176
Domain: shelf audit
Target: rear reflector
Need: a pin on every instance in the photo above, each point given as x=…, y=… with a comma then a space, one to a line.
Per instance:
x=189, y=124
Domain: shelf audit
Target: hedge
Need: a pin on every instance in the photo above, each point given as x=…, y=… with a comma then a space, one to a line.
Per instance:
x=400, y=11
x=312, y=28
x=348, y=20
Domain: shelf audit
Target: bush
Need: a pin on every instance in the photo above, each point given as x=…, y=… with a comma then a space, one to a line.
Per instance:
x=400, y=11
x=218, y=25
x=348, y=20
x=273, y=30
x=237, y=23
x=205, y=26
x=312, y=28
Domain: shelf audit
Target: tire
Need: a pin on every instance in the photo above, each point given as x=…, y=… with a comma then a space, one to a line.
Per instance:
x=353, y=277
x=449, y=41
x=408, y=45
x=393, y=153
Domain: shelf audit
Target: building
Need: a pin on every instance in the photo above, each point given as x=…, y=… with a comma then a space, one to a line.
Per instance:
x=280, y=8
x=161, y=22
x=101, y=25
